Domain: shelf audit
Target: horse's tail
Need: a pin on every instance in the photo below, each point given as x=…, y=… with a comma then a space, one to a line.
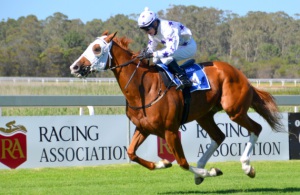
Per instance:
x=264, y=104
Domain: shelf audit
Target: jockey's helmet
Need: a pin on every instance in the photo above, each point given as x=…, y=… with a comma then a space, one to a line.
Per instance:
x=146, y=18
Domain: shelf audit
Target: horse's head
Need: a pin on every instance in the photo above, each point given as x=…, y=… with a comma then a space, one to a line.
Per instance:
x=95, y=57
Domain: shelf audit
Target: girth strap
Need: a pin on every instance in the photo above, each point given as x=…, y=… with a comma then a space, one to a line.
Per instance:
x=186, y=107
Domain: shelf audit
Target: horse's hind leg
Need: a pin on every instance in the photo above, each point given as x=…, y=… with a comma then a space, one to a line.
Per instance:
x=245, y=159
x=254, y=129
x=236, y=100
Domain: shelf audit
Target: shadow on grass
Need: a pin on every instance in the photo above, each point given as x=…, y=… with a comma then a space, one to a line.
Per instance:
x=270, y=190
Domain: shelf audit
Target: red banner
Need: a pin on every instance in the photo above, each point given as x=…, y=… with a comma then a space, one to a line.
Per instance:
x=163, y=150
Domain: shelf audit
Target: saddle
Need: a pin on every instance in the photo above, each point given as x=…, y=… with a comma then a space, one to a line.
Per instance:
x=195, y=73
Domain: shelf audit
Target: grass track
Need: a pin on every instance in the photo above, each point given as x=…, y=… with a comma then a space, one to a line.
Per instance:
x=273, y=177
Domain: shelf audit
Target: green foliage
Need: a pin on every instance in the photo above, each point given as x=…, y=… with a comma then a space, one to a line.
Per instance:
x=253, y=43
x=73, y=39
x=268, y=51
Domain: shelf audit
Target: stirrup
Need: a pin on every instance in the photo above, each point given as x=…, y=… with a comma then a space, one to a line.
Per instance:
x=183, y=84
x=180, y=86
x=187, y=83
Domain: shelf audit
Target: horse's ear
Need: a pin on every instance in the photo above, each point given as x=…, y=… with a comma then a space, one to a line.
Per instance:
x=105, y=33
x=110, y=37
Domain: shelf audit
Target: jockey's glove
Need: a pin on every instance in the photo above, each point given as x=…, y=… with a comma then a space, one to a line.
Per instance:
x=145, y=54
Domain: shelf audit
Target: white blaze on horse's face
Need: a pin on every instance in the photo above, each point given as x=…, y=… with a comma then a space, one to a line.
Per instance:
x=96, y=53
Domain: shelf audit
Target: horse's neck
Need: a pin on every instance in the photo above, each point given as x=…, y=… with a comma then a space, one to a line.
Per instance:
x=136, y=82
x=131, y=79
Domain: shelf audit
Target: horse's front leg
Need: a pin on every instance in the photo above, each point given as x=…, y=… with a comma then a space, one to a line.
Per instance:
x=175, y=146
x=137, y=139
x=204, y=159
x=217, y=137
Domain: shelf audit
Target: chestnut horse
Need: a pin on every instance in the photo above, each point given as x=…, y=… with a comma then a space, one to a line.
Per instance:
x=158, y=109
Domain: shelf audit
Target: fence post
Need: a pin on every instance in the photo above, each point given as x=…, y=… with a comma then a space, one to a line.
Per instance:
x=91, y=110
x=81, y=112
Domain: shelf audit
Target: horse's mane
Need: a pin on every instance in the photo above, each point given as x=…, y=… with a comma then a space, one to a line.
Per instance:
x=123, y=42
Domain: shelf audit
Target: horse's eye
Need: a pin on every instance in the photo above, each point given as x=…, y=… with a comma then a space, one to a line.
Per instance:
x=97, y=49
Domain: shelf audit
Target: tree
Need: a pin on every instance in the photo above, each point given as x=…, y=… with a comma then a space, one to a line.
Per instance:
x=259, y=44
x=73, y=39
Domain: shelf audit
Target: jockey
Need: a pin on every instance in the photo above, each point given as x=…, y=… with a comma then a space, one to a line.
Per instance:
x=176, y=38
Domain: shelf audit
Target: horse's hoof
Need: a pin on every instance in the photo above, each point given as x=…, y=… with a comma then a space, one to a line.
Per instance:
x=167, y=163
x=251, y=173
x=162, y=164
x=216, y=172
x=198, y=180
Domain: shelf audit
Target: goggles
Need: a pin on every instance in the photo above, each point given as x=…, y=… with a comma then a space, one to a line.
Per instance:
x=147, y=28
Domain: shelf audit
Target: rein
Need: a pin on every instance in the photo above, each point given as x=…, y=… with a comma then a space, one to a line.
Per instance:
x=122, y=65
x=159, y=94
x=132, y=75
x=126, y=64
x=155, y=100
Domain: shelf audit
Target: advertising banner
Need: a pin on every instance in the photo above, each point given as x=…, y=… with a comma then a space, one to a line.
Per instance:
x=57, y=141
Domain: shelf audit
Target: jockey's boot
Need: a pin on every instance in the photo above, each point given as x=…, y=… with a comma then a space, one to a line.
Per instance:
x=180, y=74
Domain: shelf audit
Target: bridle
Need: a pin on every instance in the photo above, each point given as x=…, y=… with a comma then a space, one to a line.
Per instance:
x=87, y=70
x=160, y=94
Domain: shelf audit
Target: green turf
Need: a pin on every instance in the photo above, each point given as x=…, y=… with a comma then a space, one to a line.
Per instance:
x=273, y=177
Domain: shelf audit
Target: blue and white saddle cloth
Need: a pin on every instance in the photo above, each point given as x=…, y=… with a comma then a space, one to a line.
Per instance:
x=194, y=72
